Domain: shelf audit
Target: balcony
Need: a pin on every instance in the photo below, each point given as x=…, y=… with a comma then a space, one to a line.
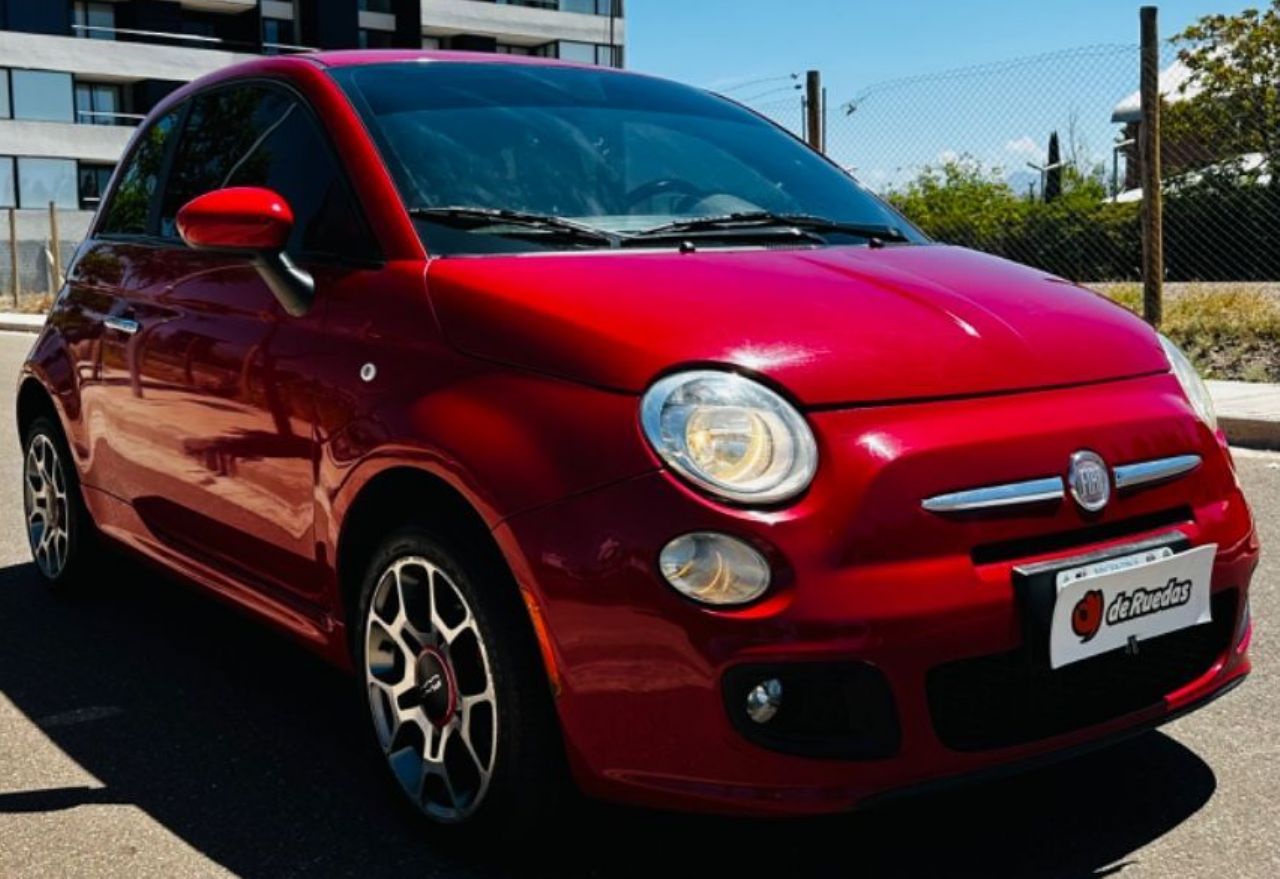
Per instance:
x=583, y=7
x=190, y=41
x=104, y=117
x=232, y=6
x=523, y=22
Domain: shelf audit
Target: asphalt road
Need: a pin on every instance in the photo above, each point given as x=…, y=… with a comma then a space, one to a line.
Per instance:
x=147, y=731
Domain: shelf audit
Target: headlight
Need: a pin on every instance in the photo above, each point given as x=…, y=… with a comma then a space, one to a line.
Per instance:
x=730, y=435
x=1192, y=385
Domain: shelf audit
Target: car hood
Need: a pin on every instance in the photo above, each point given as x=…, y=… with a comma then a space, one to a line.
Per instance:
x=832, y=325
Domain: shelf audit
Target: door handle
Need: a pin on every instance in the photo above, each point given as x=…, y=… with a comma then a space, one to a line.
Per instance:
x=121, y=324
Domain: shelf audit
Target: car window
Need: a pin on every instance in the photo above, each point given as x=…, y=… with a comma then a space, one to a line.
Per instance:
x=129, y=209
x=261, y=135
x=617, y=152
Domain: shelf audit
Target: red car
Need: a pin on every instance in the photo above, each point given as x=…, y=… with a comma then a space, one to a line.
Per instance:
x=610, y=434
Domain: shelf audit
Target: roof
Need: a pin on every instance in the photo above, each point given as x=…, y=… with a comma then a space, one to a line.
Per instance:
x=361, y=57
x=1172, y=80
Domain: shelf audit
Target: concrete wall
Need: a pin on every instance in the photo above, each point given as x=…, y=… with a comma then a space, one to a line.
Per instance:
x=518, y=23
x=106, y=59
x=92, y=143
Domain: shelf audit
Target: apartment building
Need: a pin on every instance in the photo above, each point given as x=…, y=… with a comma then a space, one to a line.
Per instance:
x=76, y=77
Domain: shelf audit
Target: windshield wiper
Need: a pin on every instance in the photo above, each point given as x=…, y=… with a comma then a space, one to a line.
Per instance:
x=542, y=223
x=768, y=219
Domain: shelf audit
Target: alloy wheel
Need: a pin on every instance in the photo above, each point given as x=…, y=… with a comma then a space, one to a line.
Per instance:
x=431, y=690
x=47, y=509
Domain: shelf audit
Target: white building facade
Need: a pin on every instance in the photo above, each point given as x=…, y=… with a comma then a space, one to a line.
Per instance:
x=76, y=77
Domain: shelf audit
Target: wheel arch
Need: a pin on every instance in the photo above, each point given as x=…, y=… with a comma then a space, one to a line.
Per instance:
x=405, y=495
x=34, y=400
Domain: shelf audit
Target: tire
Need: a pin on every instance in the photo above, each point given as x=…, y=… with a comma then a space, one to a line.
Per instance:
x=61, y=534
x=459, y=706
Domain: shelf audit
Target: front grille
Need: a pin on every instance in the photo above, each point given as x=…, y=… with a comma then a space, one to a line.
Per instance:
x=1011, y=698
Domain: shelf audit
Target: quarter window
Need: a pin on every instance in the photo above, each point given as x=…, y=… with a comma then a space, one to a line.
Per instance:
x=130, y=206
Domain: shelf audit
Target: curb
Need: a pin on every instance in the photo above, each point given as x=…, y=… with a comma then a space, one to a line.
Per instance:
x=1248, y=413
x=21, y=323
x=1251, y=433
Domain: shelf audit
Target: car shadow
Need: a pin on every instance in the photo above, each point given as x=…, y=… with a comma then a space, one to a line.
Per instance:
x=250, y=750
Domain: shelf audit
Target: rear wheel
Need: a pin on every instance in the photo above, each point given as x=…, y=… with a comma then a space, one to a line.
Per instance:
x=459, y=707
x=59, y=529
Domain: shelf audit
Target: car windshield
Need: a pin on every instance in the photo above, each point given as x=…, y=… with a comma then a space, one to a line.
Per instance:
x=480, y=152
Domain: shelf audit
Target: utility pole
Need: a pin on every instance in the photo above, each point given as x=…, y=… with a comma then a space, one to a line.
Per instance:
x=813, y=110
x=1152, y=194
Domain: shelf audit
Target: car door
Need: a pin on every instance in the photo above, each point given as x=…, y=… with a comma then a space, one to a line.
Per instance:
x=117, y=262
x=212, y=418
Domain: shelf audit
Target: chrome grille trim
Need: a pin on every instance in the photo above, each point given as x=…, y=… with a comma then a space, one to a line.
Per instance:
x=1011, y=494
x=1158, y=470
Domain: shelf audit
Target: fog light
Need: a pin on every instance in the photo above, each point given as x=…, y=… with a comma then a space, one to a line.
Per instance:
x=714, y=568
x=764, y=700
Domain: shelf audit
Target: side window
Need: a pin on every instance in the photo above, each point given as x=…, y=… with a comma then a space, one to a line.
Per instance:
x=130, y=206
x=257, y=135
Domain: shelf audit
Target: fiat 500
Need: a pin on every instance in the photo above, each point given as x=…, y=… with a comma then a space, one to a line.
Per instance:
x=610, y=435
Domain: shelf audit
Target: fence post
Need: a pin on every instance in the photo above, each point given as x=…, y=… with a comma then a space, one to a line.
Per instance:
x=813, y=108
x=13, y=254
x=55, y=246
x=1152, y=196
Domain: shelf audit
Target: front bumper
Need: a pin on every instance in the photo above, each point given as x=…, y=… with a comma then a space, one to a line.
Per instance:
x=863, y=575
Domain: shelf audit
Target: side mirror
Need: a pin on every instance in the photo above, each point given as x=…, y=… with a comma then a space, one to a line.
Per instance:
x=254, y=222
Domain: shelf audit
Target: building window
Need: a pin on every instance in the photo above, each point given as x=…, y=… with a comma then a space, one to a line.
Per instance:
x=98, y=103
x=41, y=181
x=8, y=193
x=42, y=95
x=579, y=53
x=584, y=7
x=609, y=56
x=371, y=39
x=95, y=21
x=383, y=6
x=4, y=93
x=93, y=183
x=277, y=34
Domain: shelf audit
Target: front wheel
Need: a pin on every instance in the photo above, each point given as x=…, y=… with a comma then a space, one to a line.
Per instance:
x=459, y=706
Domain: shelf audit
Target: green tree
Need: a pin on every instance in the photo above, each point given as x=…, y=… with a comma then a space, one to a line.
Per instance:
x=961, y=202
x=1231, y=104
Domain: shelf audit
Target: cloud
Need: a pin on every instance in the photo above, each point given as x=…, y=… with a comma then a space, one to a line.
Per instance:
x=1025, y=147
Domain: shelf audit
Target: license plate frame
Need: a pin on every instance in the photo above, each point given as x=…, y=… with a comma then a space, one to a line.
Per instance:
x=1037, y=588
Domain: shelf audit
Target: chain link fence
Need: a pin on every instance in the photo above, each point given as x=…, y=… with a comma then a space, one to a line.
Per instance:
x=1037, y=159
x=30, y=245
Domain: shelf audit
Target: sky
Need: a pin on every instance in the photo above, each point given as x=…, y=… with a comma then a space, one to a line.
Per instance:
x=1002, y=116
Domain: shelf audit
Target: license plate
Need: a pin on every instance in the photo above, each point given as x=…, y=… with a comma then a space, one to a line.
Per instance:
x=1105, y=605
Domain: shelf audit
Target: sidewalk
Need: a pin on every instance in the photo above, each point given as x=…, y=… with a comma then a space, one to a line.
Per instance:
x=1248, y=411
x=21, y=323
